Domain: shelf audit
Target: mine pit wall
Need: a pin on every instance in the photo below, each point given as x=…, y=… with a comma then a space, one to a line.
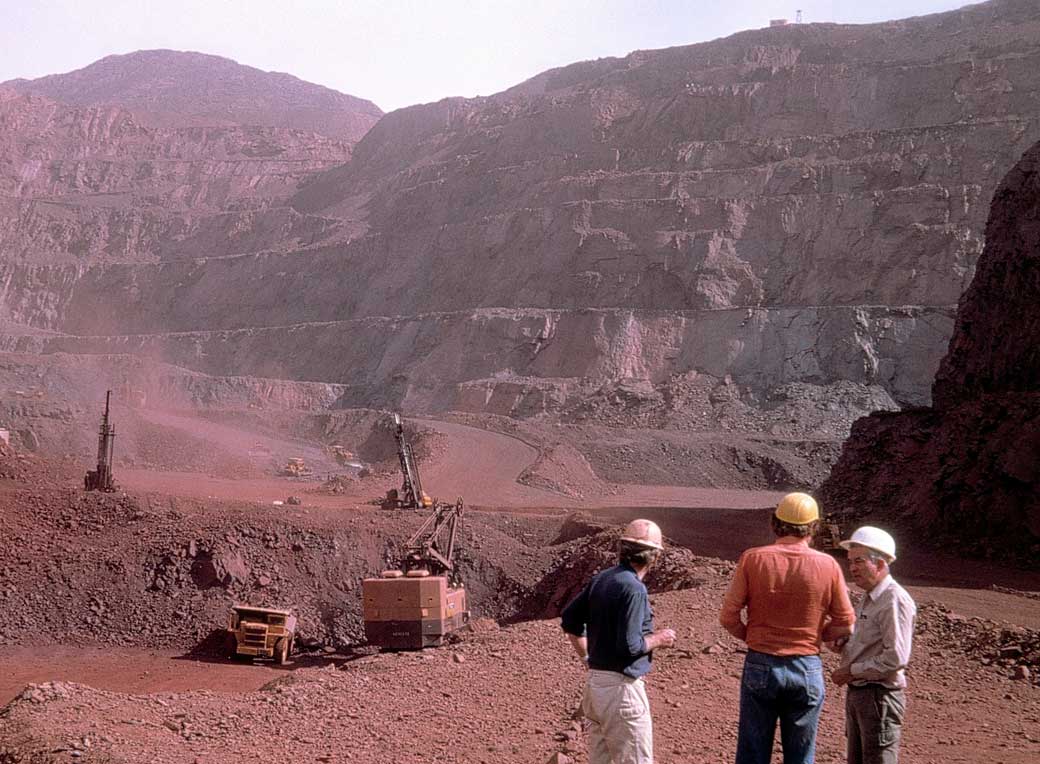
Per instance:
x=67, y=390
x=90, y=185
x=769, y=260
x=433, y=362
x=863, y=219
x=40, y=232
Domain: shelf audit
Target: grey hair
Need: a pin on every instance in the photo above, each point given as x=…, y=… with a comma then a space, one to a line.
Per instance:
x=875, y=556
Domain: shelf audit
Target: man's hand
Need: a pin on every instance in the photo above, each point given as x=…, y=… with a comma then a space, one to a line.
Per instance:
x=660, y=638
x=841, y=676
x=837, y=645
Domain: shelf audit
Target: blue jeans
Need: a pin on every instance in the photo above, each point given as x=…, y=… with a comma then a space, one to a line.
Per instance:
x=786, y=688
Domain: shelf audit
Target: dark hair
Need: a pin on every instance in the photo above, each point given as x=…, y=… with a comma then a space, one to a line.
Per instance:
x=636, y=555
x=780, y=528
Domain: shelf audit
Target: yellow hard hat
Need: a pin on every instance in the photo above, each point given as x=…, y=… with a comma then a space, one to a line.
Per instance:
x=643, y=532
x=797, y=509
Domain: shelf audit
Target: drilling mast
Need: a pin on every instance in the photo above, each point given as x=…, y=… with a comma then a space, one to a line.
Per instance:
x=100, y=479
x=411, y=495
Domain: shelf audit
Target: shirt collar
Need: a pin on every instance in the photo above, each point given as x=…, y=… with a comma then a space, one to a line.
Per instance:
x=880, y=587
x=793, y=541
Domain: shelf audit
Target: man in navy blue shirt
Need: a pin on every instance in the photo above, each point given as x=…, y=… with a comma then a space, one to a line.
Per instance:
x=611, y=626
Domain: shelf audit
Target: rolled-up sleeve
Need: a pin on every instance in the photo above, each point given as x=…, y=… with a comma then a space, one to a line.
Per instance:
x=576, y=614
x=842, y=614
x=896, y=622
x=734, y=602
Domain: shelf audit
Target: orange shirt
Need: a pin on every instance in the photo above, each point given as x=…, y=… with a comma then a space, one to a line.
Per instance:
x=791, y=593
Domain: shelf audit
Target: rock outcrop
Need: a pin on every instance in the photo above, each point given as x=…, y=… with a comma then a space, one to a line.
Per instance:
x=968, y=468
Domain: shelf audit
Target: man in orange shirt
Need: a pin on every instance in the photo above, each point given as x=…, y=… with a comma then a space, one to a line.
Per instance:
x=796, y=599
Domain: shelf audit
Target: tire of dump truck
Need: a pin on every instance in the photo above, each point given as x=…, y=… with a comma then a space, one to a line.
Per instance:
x=230, y=647
x=281, y=651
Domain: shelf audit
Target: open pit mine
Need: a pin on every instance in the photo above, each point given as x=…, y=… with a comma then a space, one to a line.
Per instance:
x=313, y=418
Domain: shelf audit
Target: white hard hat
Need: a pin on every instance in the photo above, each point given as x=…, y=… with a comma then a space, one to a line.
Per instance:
x=873, y=538
x=643, y=532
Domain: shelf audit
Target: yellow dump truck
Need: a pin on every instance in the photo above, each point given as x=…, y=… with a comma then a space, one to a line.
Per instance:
x=296, y=467
x=261, y=632
x=340, y=454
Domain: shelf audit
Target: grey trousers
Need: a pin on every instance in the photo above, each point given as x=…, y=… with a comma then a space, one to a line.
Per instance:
x=873, y=724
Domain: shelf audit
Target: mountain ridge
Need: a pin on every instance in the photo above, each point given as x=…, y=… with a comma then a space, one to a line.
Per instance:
x=167, y=88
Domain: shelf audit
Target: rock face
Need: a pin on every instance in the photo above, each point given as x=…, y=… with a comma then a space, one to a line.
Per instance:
x=799, y=205
x=968, y=467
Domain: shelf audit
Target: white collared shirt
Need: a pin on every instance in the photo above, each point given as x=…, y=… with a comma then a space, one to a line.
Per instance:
x=879, y=648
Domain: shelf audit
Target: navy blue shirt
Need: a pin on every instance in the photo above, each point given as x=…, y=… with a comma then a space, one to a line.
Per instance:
x=613, y=611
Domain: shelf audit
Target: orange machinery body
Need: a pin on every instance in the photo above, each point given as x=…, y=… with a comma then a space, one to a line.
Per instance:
x=411, y=611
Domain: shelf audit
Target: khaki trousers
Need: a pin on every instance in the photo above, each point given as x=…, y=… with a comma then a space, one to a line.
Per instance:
x=618, y=712
x=874, y=724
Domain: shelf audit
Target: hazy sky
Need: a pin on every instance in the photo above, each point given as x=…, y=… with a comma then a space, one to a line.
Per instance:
x=397, y=52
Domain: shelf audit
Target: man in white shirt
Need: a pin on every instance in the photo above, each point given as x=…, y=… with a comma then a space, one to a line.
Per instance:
x=875, y=656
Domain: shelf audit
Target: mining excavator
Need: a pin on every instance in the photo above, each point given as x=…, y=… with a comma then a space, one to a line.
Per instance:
x=411, y=495
x=423, y=600
x=100, y=479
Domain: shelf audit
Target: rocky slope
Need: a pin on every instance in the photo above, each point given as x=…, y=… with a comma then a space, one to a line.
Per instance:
x=967, y=468
x=789, y=206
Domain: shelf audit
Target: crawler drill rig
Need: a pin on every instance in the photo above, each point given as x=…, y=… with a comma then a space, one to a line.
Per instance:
x=422, y=601
x=100, y=479
x=411, y=495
